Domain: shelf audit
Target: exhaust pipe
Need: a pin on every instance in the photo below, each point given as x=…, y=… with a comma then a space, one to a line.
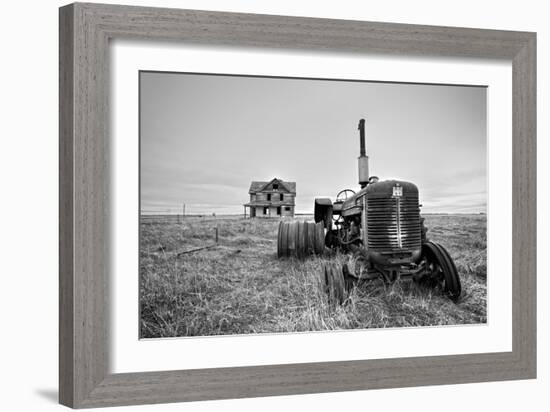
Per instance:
x=363, y=159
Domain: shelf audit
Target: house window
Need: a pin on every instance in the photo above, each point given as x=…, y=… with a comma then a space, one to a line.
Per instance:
x=265, y=210
x=269, y=197
x=275, y=186
x=279, y=210
x=287, y=208
x=281, y=197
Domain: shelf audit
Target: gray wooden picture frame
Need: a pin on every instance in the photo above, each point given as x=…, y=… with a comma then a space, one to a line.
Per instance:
x=85, y=31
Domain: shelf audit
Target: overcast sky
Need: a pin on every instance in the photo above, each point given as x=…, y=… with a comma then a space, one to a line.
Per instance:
x=205, y=138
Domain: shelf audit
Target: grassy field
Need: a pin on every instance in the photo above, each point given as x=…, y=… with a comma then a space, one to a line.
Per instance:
x=239, y=286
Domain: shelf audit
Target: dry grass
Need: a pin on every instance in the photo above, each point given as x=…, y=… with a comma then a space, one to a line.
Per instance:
x=241, y=287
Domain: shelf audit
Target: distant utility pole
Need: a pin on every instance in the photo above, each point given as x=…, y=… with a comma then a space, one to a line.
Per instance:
x=183, y=210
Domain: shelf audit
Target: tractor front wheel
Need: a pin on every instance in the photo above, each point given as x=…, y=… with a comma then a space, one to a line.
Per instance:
x=442, y=269
x=332, y=283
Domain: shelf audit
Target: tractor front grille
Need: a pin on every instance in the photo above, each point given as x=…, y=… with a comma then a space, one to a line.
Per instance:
x=393, y=223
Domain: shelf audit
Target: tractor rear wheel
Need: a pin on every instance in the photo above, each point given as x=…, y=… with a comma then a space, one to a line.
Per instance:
x=280, y=240
x=310, y=238
x=319, y=245
x=443, y=269
x=300, y=239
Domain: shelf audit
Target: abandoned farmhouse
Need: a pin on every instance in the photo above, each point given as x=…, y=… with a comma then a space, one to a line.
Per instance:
x=271, y=199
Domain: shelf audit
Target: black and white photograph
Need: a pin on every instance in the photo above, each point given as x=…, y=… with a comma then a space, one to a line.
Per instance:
x=276, y=205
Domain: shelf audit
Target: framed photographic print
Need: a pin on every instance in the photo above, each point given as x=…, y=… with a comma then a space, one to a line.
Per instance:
x=256, y=205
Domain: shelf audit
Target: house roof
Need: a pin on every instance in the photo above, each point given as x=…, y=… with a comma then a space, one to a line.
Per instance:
x=256, y=187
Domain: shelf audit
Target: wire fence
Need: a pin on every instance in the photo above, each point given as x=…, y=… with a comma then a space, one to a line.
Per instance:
x=150, y=218
x=175, y=218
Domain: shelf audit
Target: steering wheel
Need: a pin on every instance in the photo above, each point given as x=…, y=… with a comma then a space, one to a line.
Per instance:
x=343, y=195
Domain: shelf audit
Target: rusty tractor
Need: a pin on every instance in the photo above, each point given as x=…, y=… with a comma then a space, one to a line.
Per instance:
x=381, y=227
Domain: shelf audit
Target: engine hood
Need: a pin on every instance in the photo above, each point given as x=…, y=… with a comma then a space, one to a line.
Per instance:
x=384, y=189
x=387, y=188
